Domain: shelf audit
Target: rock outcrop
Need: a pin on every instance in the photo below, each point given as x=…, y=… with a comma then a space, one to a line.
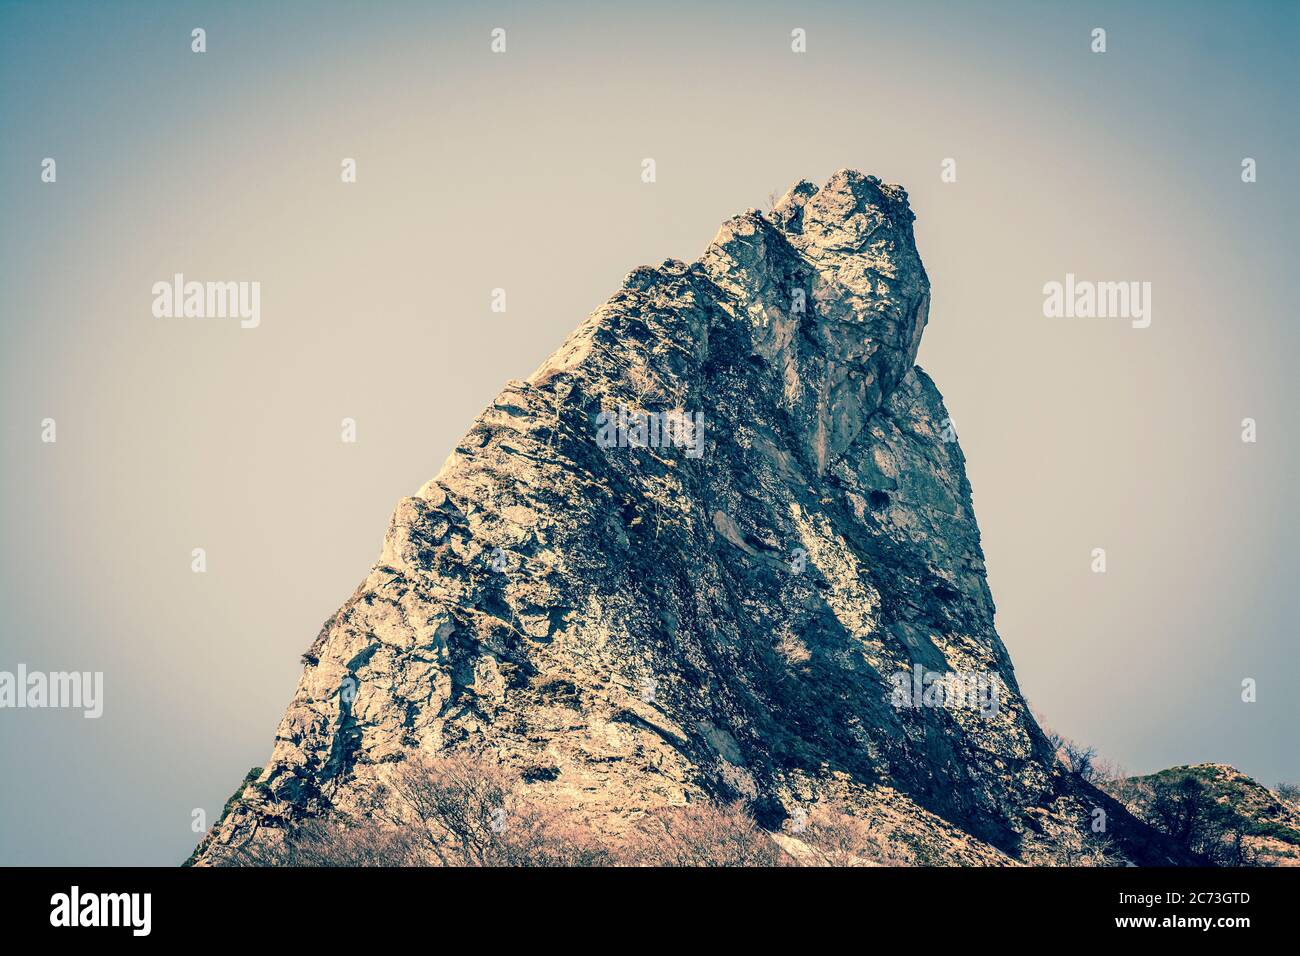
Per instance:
x=733, y=604
x=1218, y=811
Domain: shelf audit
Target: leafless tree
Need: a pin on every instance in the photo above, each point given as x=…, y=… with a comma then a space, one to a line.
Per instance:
x=453, y=811
x=1186, y=810
x=847, y=840
x=702, y=834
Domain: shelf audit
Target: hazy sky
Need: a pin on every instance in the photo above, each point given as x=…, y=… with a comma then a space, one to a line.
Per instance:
x=522, y=171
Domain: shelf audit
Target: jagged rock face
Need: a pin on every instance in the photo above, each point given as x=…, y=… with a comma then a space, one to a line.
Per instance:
x=638, y=626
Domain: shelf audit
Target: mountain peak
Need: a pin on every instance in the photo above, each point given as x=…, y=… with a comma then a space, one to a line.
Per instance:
x=834, y=288
x=719, y=546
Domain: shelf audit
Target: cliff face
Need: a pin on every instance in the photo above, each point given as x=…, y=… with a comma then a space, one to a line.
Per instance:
x=738, y=597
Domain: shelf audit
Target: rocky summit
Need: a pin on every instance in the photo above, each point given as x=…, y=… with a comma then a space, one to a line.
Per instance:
x=719, y=547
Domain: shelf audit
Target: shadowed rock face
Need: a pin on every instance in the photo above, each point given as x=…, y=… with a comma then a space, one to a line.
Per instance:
x=637, y=626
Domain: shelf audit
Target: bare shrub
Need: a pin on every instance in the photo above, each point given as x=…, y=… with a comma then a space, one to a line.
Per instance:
x=332, y=841
x=792, y=649
x=456, y=807
x=646, y=386
x=468, y=812
x=1077, y=759
x=447, y=812
x=1080, y=760
x=1070, y=841
x=701, y=834
x=847, y=840
x=458, y=811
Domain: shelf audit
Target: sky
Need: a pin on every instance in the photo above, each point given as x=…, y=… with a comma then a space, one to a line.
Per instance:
x=521, y=170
